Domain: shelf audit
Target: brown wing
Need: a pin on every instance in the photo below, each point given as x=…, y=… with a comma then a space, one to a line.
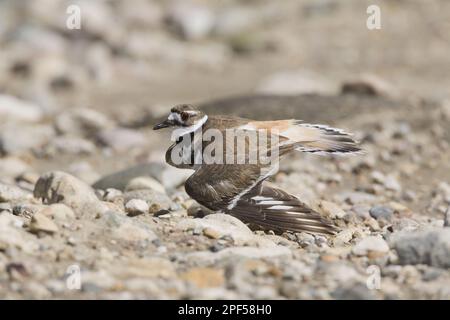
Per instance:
x=274, y=209
x=216, y=186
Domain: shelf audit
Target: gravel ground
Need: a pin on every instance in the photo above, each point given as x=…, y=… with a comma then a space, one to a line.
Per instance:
x=84, y=188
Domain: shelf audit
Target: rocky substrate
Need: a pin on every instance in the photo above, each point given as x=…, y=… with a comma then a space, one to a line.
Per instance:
x=134, y=232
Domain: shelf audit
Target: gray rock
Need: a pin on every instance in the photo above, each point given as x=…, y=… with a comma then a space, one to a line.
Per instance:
x=10, y=193
x=153, y=199
x=61, y=187
x=82, y=122
x=173, y=177
x=121, y=139
x=381, y=212
x=41, y=223
x=120, y=179
x=13, y=167
x=58, y=211
x=356, y=197
x=431, y=247
x=370, y=244
x=141, y=183
x=69, y=145
x=136, y=207
x=13, y=109
x=16, y=140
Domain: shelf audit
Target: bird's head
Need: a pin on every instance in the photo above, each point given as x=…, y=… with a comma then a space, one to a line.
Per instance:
x=183, y=116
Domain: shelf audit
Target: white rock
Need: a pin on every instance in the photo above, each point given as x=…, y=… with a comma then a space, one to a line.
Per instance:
x=82, y=122
x=140, y=183
x=370, y=244
x=40, y=223
x=13, y=167
x=136, y=207
x=14, y=109
x=15, y=139
x=121, y=139
x=10, y=193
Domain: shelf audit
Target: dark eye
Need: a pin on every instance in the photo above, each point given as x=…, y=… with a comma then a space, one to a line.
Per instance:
x=184, y=116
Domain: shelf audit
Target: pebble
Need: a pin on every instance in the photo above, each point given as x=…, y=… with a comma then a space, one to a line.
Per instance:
x=41, y=223
x=17, y=110
x=82, y=122
x=370, y=244
x=10, y=193
x=120, y=179
x=431, y=247
x=381, y=212
x=140, y=183
x=136, y=207
x=121, y=139
x=30, y=137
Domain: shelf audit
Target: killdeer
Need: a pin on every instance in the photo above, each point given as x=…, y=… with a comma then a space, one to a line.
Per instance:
x=239, y=189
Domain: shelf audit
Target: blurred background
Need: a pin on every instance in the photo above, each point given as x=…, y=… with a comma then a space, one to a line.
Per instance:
x=84, y=101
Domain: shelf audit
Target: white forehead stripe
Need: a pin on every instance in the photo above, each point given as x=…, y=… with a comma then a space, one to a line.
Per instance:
x=173, y=116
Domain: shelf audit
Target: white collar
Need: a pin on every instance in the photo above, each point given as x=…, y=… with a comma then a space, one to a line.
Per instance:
x=179, y=132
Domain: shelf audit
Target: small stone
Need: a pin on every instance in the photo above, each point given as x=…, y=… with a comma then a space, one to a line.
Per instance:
x=112, y=194
x=136, y=207
x=211, y=233
x=40, y=223
x=121, y=139
x=82, y=122
x=10, y=193
x=431, y=247
x=120, y=179
x=370, y=244
x=12, y=167
x=155, y=200
x=14, y=109
x=204, y=277
x=381, y=212
x=31, y=137
x=140, y=183
x=58, y=211
x=69, y=145
x=343, y=237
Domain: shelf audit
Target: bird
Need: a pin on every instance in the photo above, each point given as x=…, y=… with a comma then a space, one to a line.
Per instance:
x=241, y=189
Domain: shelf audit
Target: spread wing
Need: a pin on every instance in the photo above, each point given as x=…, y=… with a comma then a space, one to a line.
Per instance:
x=239, y=191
